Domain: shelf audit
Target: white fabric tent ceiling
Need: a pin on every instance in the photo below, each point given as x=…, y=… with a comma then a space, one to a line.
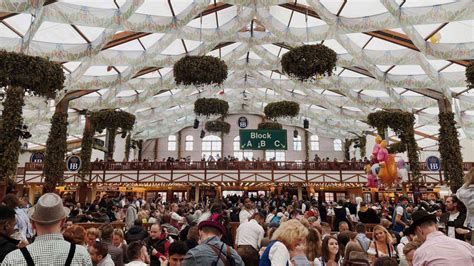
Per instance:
x=119, y=54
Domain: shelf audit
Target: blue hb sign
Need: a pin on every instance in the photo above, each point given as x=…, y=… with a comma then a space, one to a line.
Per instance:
x=37, y=157
x=433, y=163
x=73, y=163
x=243, y=122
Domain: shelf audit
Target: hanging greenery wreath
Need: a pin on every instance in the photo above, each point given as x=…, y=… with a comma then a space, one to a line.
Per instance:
x=450, y=151
x=20, y=74
x=308, y=61
x=269, y=125
x=470, y=75
x=211, y=106
x=112, y=118
x=281, y=109
x=56, y=148
x=199, y=70
x=217, y=126
x=402, y=124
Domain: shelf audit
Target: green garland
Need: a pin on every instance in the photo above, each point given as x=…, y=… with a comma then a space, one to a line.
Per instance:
x=281, y=109
x=269, y=125
x=402, y=124
x=450, y=151
x=363, y=145
x=211, y=106
x=217, y=126
x=9, y=135
x=199, y=70
x=128, y=145
x=111, y=118
x=86, y=151
x=397, y=147
x=470, y=75
x=306, y=145
x=309, y=61
x=56, y=148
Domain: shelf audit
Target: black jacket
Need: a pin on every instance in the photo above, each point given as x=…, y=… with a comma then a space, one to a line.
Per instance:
x=369, y=217
x=135, y=233
x=458, y=223
x=7, y=245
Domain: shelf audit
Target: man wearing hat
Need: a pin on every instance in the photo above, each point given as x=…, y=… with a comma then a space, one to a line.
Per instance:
x=212, y=251
x=437, y=248
x=49, y=248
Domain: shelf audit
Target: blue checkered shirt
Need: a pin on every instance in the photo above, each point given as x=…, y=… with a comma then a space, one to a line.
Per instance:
x=49, y=249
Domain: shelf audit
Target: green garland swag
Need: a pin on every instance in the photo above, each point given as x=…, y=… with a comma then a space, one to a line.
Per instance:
x=470, y=75
x=217, y=126
x=402, y=124
x=269, y=125
x=211, y=106
x=56, y=148
x=281, y=109
x=200, y=70
x=450, y=151
x=308, y=61
x=9, y=140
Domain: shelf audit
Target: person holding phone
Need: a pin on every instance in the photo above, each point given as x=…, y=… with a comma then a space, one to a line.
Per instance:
x=157, y=245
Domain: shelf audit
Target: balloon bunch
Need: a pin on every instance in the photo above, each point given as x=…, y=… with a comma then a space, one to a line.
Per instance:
x=383, y=166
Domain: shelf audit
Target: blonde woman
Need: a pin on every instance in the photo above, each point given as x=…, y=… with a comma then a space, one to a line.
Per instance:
x=118, y=241
x=285, y=239
x=381, y=246
x=466, y=195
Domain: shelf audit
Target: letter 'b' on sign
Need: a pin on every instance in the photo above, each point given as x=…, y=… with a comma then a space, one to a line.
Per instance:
x=252, y=139
x=73, y=163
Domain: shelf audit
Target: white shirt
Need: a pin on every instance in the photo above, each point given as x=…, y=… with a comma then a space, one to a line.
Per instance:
x=249, y=233
x=269, y=218
x=245, y=215
x=451, y=229
x=279, y=255
x=177, y=217
x=399, y=210
x=136, y=263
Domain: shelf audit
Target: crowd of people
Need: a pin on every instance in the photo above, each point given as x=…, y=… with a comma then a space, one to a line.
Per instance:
x=276, y=230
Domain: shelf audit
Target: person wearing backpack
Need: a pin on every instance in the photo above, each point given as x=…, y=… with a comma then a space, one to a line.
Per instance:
x=212, y=251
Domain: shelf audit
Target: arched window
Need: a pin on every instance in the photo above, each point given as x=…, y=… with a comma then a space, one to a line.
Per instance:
x=171, y=142
x=211, y=145
x=189, y=143
x=314, y=143
x=337, y=145
x=240, y=154
x=278, y=156
x=297, y=143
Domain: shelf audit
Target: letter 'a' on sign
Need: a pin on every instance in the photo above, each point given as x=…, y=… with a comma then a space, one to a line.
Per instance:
x=253, y=139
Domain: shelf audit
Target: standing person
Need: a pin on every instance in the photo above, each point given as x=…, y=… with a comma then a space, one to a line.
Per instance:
x=313, y=244
x=400, y=217
x=118, y=241
x=331, y=255
x=437, y=248
x=157, y=244
x=176, y=219
x=132, y=213
x=211, y=250
x=138, y=255
x=248, y=239
x=285, y=239
x=99, y=254
x=341, y=214
x=466, y=195
x=178, y=250
x=49, y=248
x=364, y=241
x=453, y=218
x=272, y=211
x=23, y=223
x=367, y=215
x=115, y=252
x=7, y=227
x=382, y=244
x=247, y=210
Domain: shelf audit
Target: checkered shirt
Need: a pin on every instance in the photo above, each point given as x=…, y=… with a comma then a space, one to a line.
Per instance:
x=49, y=249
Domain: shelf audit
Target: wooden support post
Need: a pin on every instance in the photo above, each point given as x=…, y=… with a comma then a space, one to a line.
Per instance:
x=300, y=192
x=196, y=193
x=155, y=150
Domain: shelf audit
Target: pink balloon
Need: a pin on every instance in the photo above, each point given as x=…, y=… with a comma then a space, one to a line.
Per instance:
x=371, y=180
x=382, y=156
x=375, y=150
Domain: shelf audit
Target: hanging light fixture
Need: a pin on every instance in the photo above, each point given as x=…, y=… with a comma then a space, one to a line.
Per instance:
x=295, y=133
x=305, y=123
x=203, y=133
x=196, y=124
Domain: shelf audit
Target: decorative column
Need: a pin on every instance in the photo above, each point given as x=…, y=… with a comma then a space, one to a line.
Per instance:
x=306, y=144
x=196, y=193
x=300, y=192
x=178, y=144
x=155, y=150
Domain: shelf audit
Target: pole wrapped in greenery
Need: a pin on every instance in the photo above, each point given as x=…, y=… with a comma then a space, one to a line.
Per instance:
x=86, y=150
x=450, y=151
x=402, y=124
x=470, y=75
x=309, y=61
x=199, y=70
x=347, y=147
x=20, y=74
x=112, y=133
x=9, y=135
x=56, y=148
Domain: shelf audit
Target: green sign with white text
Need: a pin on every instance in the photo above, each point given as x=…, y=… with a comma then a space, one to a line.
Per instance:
x=253, y=139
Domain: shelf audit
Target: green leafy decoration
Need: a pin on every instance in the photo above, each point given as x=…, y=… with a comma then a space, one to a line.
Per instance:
x=450, y=151
x=470, y=75
x=86, y=151
x=347, y=147
x=309, y=61
x=269, y=125
x=199, y=70
x=211, y=106
x=217, y=126
x=56, y=148
x=402, y=124
x=281, y=109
